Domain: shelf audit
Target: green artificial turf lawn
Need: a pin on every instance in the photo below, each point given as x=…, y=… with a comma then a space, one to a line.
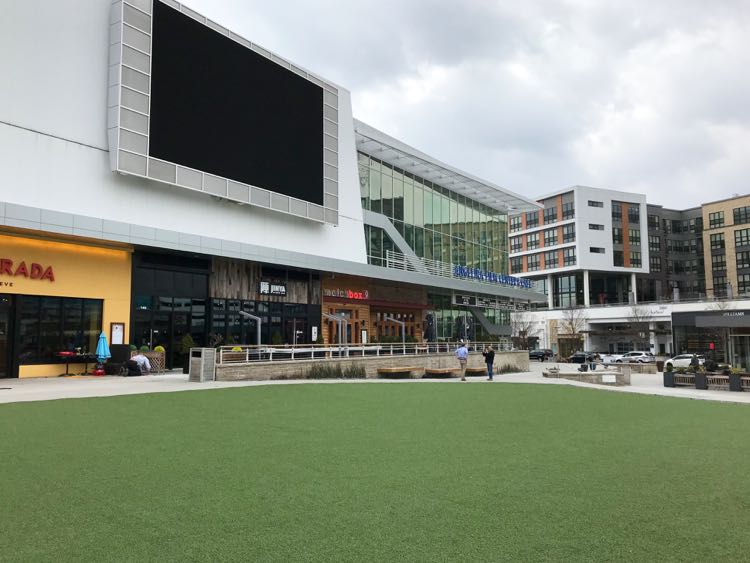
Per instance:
x=432, y=472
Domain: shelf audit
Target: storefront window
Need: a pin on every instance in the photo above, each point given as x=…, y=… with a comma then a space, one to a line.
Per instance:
x=50, y=325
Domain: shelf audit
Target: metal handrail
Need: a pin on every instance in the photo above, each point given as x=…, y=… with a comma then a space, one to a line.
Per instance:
x=239, y=354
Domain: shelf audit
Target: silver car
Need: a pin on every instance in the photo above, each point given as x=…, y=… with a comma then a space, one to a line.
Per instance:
x=684, y=360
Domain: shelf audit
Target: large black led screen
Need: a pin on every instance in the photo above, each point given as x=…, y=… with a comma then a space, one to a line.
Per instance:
x=218, y=107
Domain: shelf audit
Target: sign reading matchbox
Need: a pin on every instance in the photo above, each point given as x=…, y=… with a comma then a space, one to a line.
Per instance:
x=10, y=270
x=342, y=293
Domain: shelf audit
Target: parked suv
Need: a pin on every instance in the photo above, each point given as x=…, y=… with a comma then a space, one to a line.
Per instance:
x=542, y=354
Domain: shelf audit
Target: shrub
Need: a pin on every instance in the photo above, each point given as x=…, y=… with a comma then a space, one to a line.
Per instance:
x=133, y=347
x=186, y=343
x=144, y=348
x=324, y=371
x=668, y=368
x=159, y=349
x=507, y=368
x=236, y=349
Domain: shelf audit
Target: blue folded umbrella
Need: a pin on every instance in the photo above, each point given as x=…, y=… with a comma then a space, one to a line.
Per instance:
x=102, y=348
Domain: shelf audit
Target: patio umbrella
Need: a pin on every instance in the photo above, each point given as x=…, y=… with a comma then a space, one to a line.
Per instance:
x=102, y=349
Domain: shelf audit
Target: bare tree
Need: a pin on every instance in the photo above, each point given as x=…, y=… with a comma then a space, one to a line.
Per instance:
x=638, y=316
x=523, y=328
x=572, y=326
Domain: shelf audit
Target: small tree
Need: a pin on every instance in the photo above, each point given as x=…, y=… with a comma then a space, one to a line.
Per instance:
x=572, y=326
x=523, y=328
x=640, y=315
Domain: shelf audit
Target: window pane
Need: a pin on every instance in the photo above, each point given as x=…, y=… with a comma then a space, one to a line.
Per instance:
x=72, y=324
x=375, y=203
x=49, y=328
x=386, y=189
x=408, y=201
x=92, y=323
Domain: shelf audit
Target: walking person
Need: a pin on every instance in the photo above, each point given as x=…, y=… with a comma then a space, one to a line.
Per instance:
x=462, y=353
x=489, y=359
x=593, y=358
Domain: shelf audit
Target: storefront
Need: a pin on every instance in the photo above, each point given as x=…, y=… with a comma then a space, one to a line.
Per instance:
x=56, y=298
x=725, y=333
x=183, y=300
x=372, y=311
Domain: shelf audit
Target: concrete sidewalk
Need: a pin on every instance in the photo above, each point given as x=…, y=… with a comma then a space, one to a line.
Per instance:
x=44, y=389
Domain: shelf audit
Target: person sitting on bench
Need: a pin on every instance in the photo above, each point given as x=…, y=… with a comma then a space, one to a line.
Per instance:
x=143, y=364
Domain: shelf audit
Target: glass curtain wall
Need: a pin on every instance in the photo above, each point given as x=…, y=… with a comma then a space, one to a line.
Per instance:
x=438, y=224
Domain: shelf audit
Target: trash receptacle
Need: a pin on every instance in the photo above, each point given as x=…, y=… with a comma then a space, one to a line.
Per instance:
x=202, y=364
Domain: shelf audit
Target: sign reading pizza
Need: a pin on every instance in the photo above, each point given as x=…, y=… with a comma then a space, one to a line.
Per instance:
x=31, y=271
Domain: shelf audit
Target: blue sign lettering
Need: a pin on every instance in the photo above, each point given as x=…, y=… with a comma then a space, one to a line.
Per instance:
x=477, y=274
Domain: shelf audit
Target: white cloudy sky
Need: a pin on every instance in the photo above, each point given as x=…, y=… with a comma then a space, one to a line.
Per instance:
x=645, y=95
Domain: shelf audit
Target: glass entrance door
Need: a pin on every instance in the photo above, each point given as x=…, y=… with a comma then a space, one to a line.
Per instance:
x=5, y=337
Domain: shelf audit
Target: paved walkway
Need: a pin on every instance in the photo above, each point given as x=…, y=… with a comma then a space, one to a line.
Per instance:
x=22, y=390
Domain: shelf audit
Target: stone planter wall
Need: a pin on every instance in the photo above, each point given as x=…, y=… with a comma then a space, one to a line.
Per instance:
x=298, y=369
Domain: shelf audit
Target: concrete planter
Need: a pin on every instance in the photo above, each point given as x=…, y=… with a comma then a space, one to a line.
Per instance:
x=735, y=383
x=668, y=379
x=700, y=381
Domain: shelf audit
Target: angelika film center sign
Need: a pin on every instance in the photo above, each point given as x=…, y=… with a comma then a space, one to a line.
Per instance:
x=493, y=277
x=32, y=271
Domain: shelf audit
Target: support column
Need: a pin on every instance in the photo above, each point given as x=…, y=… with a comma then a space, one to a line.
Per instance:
x=586, y=296
x=634, y=288
x=550, y=297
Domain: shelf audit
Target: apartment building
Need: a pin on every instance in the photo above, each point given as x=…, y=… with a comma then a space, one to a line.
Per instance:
x=726, y=238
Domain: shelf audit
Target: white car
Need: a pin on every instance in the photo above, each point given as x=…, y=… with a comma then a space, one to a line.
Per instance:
x=637, y=356
x=683, y=361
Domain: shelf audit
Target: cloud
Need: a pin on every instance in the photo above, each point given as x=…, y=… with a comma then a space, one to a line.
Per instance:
x=539, y=95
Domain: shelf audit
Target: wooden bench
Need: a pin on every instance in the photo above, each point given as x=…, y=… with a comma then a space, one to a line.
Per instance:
x=397, y=372
x=439, y=372
x=476, y=371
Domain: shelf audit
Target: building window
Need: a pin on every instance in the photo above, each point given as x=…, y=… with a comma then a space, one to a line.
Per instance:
x=617, y=235
x=595, y=227
x=616, y=210
x=718, y=262
x=532, y=262
x=717, y=241
x=550, y=259
x=743, y=284
x=516, y=244
x=50, y=325
x=532, y=241
x=654, y=244
x=532, y=219
x=742, y=215
x=596, y=250
x=634, y=213
x=516, y=265
x=655, y=263
x=565, y=293
x=569, y=233
x=720, y=286
x=635, y=260
x=742, y=237
x=569, y=211
x=618, y=258
x=550, y=237
x=596, y=203
x=550, y=215
x=569, y=257
x=716, y=220
x=515, y=223
x=653, y=221
x=634, y=236
x=743, y=260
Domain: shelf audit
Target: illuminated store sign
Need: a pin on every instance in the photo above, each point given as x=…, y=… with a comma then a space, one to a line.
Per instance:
x=493, y=277
x=268, y=288
x=32, y=271
x=347, y=294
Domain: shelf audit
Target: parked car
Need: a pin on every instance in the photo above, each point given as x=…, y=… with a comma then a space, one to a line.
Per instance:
x=543, y=354
x=638, y=356
x=684, y=360
x=580, y=357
